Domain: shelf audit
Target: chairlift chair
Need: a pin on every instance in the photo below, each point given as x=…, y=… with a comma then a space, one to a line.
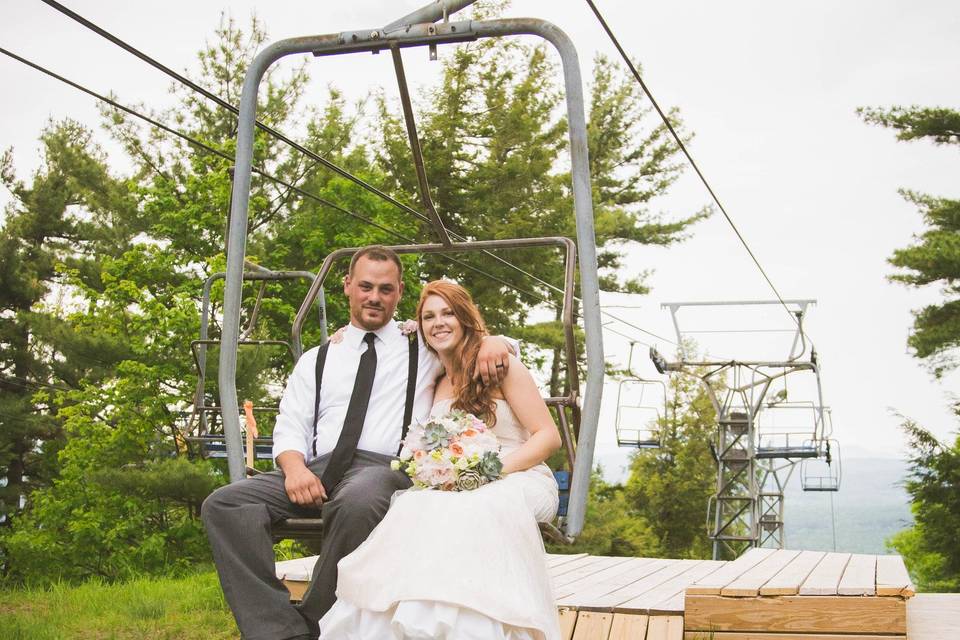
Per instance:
x=639, y=422
x=203, y=430
x=822, y=473
x=636, y=412
x=789, y=429
x=420, y=29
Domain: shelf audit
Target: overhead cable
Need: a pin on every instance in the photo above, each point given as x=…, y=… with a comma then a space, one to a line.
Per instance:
x=683, y=148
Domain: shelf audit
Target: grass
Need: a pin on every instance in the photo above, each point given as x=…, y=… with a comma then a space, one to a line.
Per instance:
x=186, y=608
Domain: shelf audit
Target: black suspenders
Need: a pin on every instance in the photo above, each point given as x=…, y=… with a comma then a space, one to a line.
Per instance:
x=413, y=358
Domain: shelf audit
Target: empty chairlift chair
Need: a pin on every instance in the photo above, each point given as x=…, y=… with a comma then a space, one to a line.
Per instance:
x=823, y=472
x=641, y=411
x=205, y=427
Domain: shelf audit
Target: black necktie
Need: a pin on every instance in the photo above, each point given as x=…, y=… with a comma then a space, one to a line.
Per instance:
x=342, y=455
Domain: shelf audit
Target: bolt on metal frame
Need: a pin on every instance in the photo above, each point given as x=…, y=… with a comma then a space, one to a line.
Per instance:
x=418, y=30
x=746, y=509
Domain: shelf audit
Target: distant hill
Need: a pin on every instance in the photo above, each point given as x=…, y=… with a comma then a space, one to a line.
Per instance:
x=870, y=506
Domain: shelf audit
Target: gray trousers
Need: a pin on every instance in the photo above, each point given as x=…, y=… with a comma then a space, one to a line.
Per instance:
x=238, y=518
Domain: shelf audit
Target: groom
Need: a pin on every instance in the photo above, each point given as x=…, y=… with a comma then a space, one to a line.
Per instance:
x=334, y=450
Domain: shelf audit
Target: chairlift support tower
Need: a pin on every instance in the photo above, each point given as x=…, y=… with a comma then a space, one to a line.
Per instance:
x=746, y=509
x=422, y=29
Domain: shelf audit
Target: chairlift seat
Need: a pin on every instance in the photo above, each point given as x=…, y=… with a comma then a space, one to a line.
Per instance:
x=312, y=528
x=803, y=451
x=640, y=438
x=215, y=447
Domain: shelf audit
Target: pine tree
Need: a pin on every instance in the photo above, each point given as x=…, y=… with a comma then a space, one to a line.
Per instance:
x=71, y=217
x=934, y=256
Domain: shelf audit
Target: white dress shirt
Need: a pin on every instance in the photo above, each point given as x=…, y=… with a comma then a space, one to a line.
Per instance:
x=382, y=425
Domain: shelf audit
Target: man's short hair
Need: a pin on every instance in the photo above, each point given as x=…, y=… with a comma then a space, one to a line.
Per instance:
x=379, y=253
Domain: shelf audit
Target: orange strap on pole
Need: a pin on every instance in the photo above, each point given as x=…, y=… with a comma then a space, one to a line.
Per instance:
x=251, y=431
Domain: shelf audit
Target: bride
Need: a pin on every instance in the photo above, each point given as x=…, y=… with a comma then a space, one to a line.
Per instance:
x=461, y=565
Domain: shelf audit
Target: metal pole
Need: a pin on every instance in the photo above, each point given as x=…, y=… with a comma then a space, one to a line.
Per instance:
x=415, y=147
x=237, y=243
x=429, y=13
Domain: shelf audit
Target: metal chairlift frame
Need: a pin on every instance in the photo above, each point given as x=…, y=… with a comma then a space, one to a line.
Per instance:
x=199, y=347
x=419, y=29
x=747, y=507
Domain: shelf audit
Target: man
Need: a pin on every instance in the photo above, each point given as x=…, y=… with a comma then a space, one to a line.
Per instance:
x=336, y=453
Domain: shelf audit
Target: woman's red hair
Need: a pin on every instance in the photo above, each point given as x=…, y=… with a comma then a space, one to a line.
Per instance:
x=470, y=395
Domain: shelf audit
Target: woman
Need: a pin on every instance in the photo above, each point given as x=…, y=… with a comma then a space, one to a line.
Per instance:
x=462, y=565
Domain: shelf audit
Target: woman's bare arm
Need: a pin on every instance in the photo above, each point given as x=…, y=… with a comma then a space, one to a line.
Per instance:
x=521, y=393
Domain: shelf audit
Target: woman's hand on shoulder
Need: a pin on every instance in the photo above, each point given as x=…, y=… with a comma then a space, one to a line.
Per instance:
x=493, y=360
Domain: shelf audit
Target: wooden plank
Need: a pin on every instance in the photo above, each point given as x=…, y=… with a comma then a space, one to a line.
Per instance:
x=593, y=626
x=673, y=602
x=824, y=580
x=628, y=627
x=859, y=577
x=568, y=620
x=813, y=614
x=665, y=628
x=752, y=635
x=557, y=559
x=787, y=582
x=634, y=589
x=750, y=582
x=932, y=616
x=712, y=584
x=599, y=564
x=639, y=571
x=579, y=563
x=655, y=599
x=892, y=577
x=619, y=574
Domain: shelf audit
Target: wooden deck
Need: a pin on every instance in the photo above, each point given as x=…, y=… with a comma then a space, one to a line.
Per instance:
x=765, y=594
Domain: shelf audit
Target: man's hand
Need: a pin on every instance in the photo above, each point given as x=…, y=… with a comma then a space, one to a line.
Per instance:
x=493, y=360
x=301, y=485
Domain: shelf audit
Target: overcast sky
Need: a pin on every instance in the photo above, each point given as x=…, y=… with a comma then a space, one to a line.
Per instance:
x=770, y=91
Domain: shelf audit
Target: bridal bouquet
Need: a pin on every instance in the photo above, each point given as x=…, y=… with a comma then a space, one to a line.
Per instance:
x=452, y=452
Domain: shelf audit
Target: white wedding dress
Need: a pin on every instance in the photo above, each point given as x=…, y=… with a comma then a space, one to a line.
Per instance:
x=455, y=565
